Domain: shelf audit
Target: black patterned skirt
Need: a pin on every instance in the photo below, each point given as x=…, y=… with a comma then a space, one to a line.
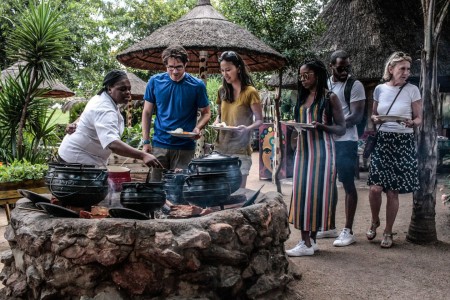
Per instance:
x=393, y=163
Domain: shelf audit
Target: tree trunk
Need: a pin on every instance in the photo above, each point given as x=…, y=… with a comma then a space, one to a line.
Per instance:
x=422, y=228
x=23, y=117
x=279, y=136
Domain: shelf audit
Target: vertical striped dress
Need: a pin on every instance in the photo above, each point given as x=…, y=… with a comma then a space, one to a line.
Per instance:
x=314, y=173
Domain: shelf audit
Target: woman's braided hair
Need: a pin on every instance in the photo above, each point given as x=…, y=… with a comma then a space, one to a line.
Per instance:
x=320, y=71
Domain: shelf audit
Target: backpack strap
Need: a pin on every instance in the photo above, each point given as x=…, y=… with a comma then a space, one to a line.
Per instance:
x=348, y=90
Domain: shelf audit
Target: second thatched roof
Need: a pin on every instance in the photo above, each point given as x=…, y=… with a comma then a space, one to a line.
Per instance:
x=56, y=88
x=371, y=30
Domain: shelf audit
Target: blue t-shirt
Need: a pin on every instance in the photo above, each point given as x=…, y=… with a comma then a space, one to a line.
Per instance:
x=176, y=106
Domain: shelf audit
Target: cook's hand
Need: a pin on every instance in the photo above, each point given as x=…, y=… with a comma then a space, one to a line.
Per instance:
x=151, y=161
x=198, y=132
x=147, y=148
x=71, y=128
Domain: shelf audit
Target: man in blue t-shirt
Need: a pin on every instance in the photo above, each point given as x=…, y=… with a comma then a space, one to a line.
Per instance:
x=176, y=96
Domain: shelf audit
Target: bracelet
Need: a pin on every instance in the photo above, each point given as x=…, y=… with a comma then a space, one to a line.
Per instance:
x=146, y=142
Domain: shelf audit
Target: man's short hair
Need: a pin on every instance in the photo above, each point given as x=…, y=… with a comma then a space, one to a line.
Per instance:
x=175, y=51
x=338, y=54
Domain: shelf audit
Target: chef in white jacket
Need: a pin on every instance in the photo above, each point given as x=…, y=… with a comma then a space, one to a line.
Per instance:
x=100, y=126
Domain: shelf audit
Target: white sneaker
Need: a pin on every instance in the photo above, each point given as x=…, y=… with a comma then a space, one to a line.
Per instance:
x=300, y=250
x=344, y=239
x=314, y=245
x=332, y=233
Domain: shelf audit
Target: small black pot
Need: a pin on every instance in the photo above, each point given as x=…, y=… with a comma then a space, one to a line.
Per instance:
x=207, y=190
x=219, y=163
x=143, y=197
x=173, y=186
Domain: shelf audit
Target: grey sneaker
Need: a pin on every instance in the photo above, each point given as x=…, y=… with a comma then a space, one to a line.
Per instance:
x=344, y=239
x=300, y=250
x=332, y=233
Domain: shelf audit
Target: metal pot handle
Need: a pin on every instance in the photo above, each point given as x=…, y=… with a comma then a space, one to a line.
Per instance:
x=188, y=181
x=192, y=167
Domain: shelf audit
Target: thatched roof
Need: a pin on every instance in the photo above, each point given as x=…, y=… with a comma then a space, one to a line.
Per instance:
x=202, y=29
x=137, y=86
x=371, y=30
x=289, y=80
x=56, y=88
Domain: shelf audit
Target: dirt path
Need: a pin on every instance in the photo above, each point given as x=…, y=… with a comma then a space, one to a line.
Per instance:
x=366, y=271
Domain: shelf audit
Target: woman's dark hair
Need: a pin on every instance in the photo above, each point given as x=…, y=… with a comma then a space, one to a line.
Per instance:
x=111, y=79
x=226, y=91
x=320, y=71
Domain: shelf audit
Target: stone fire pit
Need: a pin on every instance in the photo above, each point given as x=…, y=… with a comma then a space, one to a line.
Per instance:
x=230, y=254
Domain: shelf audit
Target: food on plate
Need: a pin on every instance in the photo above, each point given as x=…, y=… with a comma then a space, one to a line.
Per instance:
x=178, y=130
x=222, y=124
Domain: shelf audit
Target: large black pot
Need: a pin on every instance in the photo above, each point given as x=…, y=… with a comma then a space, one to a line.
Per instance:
x=143, y=197
x=218, y=163
x=207, y=190
x=173, y=185
x=77, y=185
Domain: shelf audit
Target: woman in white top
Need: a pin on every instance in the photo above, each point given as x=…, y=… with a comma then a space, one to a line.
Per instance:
x=100, y=126
x=393, y=163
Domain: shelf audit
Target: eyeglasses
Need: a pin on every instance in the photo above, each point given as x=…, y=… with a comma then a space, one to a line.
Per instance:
x=228, y=55
x=178, y=68
x=304, y=76
x=343, y=69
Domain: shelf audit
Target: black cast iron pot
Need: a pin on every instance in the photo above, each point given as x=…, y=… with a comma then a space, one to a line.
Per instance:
x=219, y=163
x=173, y=186
x=143, y=197
x=207, y=190
x=77, y=185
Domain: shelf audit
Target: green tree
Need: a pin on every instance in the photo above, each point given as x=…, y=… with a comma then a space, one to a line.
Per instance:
x=288, y=26
x=39, y=41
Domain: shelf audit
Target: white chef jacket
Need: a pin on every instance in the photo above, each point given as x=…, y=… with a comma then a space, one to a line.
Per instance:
x=100, y=124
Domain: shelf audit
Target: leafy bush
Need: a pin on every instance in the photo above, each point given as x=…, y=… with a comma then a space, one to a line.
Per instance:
x=22, y=170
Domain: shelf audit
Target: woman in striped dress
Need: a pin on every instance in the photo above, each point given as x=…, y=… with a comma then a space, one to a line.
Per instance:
x=314, y=169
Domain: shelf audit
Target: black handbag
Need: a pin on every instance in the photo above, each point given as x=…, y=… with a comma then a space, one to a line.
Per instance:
x=371, y=140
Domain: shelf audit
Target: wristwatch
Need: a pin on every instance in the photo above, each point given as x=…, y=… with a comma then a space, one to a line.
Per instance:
x=146, y=142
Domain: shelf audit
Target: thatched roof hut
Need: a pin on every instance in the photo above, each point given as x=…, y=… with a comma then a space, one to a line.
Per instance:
x=137, y=86
x=289, y=80
x=371, y=30
x=56, y=88
x=202, y=29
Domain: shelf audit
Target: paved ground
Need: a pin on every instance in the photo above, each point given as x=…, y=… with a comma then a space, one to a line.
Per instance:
x=362, y=270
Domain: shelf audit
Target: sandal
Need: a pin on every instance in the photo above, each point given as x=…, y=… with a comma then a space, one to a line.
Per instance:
x=387, y=240
x=372, y=232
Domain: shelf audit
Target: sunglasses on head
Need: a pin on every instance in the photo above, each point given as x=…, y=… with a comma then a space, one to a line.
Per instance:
x=304, y=76
x=228, y=55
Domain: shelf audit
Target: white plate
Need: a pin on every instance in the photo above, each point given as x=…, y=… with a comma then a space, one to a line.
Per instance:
x=229, y=128
x=184, y=134
x=299, y=126
x=391, y=118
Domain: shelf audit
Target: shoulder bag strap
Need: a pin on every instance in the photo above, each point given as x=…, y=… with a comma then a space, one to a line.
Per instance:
x=392, y=104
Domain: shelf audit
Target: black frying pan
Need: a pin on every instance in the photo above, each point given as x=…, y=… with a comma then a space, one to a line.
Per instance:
x=33, y=197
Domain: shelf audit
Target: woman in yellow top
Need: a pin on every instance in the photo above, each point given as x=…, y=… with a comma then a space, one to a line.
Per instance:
x=240, y=107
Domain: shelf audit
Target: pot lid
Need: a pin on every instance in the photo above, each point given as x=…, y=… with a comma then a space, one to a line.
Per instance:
x=216, y=156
